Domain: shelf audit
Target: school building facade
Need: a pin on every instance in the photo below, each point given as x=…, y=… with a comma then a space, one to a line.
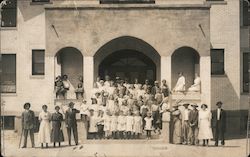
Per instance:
x=154, y=39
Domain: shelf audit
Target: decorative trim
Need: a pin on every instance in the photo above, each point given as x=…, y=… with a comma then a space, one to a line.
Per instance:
x=40, y=3
x=37, y=76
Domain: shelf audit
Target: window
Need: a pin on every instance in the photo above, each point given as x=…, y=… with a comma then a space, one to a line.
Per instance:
x=246, y=14
x=8, y=73
x=245, y=72
x=9, y=14
x=217, y=59
x=38, y=62
x=125, y=1
x=8, y=122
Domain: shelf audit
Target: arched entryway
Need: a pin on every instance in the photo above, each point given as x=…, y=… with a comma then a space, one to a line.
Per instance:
x=127, y=57
x=186, y=60
x=128, y=64
x=69, y=61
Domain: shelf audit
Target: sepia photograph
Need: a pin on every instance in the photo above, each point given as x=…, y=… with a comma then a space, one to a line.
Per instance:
x=125, y=78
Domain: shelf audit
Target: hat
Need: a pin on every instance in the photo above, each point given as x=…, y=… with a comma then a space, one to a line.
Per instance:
x=194, y=105
x=186, y=104
x=175, y=105
x=57, y=107
x=71, y=104
x=156, y=81
x=219, y=103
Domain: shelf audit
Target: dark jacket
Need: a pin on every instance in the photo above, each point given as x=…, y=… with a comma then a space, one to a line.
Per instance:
x=28, y=120
x=70, y=117
x=193, y=117
x=221, y=124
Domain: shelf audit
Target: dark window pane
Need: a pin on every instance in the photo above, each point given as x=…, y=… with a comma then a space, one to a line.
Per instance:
x=8, y=122
x=245, y=14
x=217, y=62
x=245, y=73
x=38, y=62
x=9, y=14
x=8, y=73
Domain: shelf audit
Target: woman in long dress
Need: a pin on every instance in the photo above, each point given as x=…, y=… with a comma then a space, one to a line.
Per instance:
x=56, y=133
x=176, y=116
x=44, y=129
x=204, y=123
x=196, y=87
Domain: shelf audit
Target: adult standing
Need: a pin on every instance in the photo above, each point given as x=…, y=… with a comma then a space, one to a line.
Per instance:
x=44, y=129
x=176, y=117
x=70, y=121
x=204, y=123
x=185, y=126
x=219, y=123
x=193, y=123
x=56, y=133
x=28, y=124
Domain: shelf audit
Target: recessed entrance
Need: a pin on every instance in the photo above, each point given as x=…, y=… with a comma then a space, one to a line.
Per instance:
x=129, y=64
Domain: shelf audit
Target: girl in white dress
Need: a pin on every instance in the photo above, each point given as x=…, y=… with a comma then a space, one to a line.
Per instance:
x=107, y=124
x=113, y=127
x=111, y=104
x=121, y=125
x=129, y=125
x=148, y=124
x=204, y=124
x=137, y=127
x=44, y=129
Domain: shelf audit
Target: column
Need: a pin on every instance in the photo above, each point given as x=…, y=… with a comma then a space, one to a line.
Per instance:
x=166, y=69
x=88, y=75
x=205, y=75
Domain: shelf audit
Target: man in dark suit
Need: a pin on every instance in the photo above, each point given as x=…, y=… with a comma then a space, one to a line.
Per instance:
x=28, y=124
x=70, y=121
x=219, y=123
x=193, y=123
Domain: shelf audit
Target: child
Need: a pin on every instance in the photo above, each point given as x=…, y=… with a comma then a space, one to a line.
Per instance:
x=79, y=91
x=121, y=125
x=144, y=109
x=111, y=104
x=148, y=125
x=92, y=125
x=155, y=116
x=59, y=86
x=158, y=96
x=100, y=124
x=84, y=110
x=130, y=101
x=94, y=106
x=129, y=125
x=137, y=128
x=113, y=127
x=107, y=124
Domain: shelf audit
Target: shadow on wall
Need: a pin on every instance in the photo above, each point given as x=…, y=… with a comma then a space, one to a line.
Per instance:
x=222, y=90
x=30, y=11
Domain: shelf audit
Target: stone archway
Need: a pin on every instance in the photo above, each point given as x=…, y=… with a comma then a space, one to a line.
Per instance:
x=129, y=47
x=186, y=60
x=69, y=61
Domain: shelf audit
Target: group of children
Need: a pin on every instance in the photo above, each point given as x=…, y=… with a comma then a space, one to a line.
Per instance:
x=119, y=110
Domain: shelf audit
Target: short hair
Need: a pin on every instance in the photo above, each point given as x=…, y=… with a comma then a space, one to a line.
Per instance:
x=26, y=104
x=71, y=104
x=57, y=107
x=44, y=106
x=204, y=105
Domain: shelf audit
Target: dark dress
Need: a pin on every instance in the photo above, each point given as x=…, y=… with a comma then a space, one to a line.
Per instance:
x=56, y=133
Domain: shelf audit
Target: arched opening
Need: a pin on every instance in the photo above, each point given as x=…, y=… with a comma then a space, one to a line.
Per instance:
x=69, y=61
x=129, y=64
x=127, y=57
x=186, y=60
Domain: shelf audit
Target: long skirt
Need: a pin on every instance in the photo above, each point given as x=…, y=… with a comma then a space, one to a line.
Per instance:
x=44, y=132
x=56, y=134
x=177, y=131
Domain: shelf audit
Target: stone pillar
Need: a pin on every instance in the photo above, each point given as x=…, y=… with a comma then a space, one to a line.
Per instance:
x=205, y=75
x=166, y=69
x=88, y=75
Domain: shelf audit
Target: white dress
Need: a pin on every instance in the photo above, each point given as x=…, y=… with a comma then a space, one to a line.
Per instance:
x=129, y=123
x=113, y=126
x=111, y=106
x=180, y=85
x=93, y=123
x=121, y=123
x=137, y=128
x=148, y=123
x=107, y=123
x=196, y=87
x=205, y=131
x=44, y=129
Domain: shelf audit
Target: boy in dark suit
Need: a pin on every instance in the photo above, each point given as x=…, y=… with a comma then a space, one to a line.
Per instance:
x=219, y=123
x=70, y=121
x=28, y=124
x=193, y=123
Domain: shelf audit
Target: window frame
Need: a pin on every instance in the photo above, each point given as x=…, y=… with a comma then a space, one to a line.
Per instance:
x=15, y=81
x=8, y=8
x=33, y=63
x=3, y=122
x=223, y=62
